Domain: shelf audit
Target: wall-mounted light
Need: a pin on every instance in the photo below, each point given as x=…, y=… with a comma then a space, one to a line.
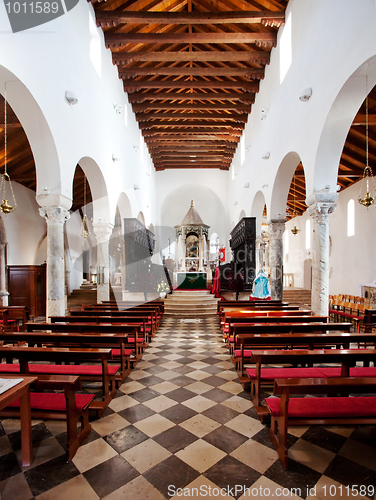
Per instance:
x=264, y=186
x=266, y=155
x=117, y=108
x=115, y=157
x=305, y=95
x=246, y=185
x=264, y=112
x=235, y=202
x=136, y=187
x=71, y=97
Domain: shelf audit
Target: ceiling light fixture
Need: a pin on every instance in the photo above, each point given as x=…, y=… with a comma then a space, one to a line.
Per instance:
x=367, y=199
x=5, y=207
x=296, y=226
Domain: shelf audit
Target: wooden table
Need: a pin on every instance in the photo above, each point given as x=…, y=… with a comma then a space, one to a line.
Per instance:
x=21, y=391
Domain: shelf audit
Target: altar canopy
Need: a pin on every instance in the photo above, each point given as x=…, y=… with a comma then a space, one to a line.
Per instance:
x=192, y=243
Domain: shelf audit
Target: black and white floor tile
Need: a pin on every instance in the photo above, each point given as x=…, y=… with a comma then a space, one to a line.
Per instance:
x=182, y=426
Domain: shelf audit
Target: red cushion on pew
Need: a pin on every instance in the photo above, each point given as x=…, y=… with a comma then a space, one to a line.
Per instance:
x=363, y=371
x=9, y=368
x=117, y=352
x=331, y=371
x=54, y=402
x=131, y=339
x=326, y=407
x=273, y=373
x=61, y=369
x=247, y=353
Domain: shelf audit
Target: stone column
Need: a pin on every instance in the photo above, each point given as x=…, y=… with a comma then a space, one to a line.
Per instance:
x=55, y=217
x=103, y=231
x=320, y=212
x=276, y=230
x=258, y=264
x=3, y=276
x=201, y=254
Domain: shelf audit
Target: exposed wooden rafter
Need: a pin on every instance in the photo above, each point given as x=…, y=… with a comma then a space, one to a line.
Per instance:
x=115, y=17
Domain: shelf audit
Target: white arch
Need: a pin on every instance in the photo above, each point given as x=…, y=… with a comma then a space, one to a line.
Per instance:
x=98, y=188
x=281, y=186
x=241, y=215
x=337, y=125
x=38, y=132
x=141, y=217
x=258, y=209
x=125, y=209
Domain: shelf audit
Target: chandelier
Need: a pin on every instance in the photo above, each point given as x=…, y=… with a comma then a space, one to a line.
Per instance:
x=296, y=227
x=367, y=199
x=85, y=232
x=5, y=207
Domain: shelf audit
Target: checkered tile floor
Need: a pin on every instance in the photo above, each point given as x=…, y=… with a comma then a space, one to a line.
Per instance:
x=182, y=420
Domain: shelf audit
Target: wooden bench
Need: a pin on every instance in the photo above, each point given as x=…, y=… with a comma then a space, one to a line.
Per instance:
x=247, y=303
x=126, y=306
x=67, y=405
x=155, y=311
x=280, y=328
x=250, y=320
x=149, y=325
x=15, y=314
x=227, y=316
x=135, y=338
x=99, y=372
x=344, y=410
x=247, y=344
x=72, y=339
x=346, y=358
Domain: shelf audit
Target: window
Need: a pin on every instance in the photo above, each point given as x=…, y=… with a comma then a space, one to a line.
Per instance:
x=308, y=234
x=351, y=218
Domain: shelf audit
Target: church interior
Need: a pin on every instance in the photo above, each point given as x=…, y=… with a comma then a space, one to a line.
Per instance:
x=171, y=170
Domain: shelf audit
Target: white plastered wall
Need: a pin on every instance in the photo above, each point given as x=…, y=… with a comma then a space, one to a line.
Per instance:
x=39, y=66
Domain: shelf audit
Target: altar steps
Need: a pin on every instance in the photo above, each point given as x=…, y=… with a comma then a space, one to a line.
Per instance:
x=190, y=304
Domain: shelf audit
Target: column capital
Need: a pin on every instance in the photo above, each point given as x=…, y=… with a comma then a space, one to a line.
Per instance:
x=54, y=214
x=102, y=231
x=276, y=229
x=321, y=210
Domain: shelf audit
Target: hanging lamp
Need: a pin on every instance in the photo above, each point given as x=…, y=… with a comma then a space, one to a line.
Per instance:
x=367, y=199
x=296, y=227
x=85, y=232
x=5, y=207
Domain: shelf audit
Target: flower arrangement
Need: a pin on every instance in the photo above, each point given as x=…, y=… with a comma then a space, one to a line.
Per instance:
x=163, y=287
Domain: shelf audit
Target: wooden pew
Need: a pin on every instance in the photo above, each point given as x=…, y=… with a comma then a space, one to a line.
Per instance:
x=227, y=316
x=246, y=303
x=245, y=319
x=72, y=339
x=156, y=311
x=286, y=412
x=133, y=330
x=17, y=314
x=247, y=344
x=66, y=405
x=236, y=329
x=101, y=372
x=148, y=320
x=346, y=358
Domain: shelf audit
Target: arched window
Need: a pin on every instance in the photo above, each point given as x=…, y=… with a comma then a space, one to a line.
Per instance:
x=350, y=218
x=308, y=234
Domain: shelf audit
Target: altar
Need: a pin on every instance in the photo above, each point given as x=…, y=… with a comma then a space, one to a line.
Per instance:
x=191, y=281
